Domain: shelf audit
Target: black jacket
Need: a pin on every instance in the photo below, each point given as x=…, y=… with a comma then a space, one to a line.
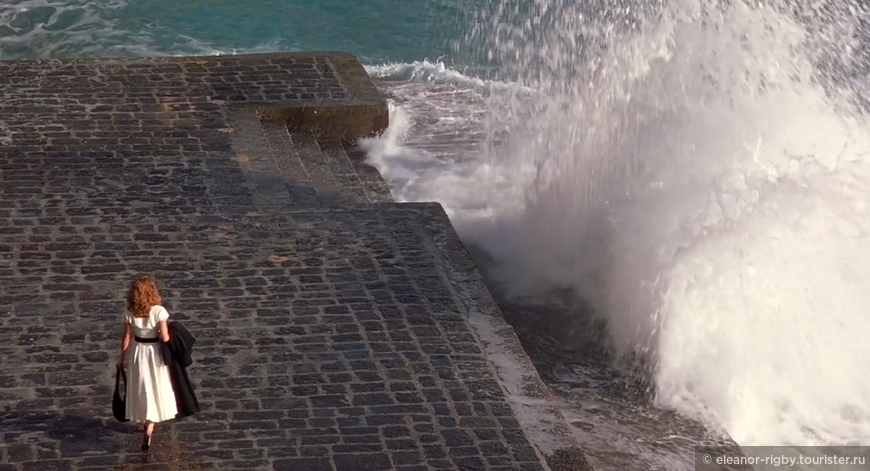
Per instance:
x=177, y=356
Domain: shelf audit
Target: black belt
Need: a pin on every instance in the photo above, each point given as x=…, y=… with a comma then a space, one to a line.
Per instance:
x=147, y=340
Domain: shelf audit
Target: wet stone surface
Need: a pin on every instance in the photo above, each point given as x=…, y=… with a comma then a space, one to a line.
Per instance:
x=81, y=139
x=326, y=338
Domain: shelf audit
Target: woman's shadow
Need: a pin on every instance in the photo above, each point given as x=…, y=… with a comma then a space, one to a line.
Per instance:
x=107, y=443
x=75, y=436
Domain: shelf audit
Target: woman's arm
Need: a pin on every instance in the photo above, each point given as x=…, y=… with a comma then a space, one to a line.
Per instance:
x=164, y=331
x=125, y=342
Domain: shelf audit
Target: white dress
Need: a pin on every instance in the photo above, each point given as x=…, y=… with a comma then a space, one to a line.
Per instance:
x=150, y=397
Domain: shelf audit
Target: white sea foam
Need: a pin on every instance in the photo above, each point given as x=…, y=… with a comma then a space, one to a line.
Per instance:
x=693, y=179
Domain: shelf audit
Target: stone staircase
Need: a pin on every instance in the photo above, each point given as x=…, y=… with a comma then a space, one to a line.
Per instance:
x=284, y=168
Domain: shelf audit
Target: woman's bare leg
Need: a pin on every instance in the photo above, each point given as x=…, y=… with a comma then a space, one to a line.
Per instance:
x=146, y=440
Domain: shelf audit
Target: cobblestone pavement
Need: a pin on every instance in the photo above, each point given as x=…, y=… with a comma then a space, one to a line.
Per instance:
x=330, y=332
x=321, y=336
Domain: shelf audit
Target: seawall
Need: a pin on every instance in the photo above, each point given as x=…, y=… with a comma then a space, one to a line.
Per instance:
x=336, y=329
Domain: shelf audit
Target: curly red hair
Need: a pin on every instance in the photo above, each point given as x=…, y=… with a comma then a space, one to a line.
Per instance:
x=142, y=297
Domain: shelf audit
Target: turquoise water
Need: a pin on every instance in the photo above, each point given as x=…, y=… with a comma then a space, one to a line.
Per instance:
x=376, y=30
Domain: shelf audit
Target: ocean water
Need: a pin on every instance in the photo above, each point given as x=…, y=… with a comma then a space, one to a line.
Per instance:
x=379, y=31
x=689, y=177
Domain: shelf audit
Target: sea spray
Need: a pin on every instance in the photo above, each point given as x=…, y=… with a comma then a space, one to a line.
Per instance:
x=698, y=171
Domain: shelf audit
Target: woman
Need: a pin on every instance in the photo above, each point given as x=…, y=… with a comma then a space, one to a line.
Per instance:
x=150, y=397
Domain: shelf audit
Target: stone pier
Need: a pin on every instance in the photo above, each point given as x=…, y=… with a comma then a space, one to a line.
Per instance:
x=336, y=329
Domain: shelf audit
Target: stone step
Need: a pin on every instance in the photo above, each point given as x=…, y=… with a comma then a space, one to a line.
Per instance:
x=285, y=169
x=350, y=186
x=376, y=188
x=298, y=182
x=265, y=180
x=316, y=165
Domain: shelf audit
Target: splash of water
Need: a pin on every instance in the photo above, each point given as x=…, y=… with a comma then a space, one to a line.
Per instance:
x=708, y=194
x=700, y=173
